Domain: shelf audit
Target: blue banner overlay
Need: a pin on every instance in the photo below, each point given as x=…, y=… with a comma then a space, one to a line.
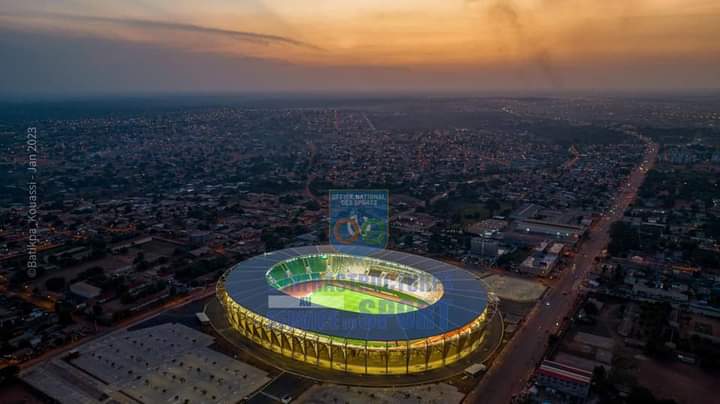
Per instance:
x=359, y=218
x=332, y=321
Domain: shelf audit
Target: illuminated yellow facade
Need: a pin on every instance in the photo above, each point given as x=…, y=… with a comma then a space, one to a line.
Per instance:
x=351, y=355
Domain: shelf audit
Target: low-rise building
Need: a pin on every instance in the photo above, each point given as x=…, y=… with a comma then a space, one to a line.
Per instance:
x=564, y=378
x=559, y=231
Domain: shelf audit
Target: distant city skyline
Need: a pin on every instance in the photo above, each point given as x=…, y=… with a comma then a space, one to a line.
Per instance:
x=75, y=47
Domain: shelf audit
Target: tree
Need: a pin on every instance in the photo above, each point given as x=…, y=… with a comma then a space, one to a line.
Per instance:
x=619, y=274
x=493, y=206
x=435, y=243
x=8, y=374
x=99, y=247
x=653, y=319
x=97, y=310
x=140, y=257
x=599, y=375
x=601, y=384
x=64, y=312
x=623, y=238
x=271, y=240
x=552, y=340
x=591, y=309
x=641, y=395
x=55, y=284
x=143, y=266
x=178, y=252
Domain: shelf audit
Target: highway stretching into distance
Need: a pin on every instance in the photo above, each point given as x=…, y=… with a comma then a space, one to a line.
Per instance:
x=514, y=366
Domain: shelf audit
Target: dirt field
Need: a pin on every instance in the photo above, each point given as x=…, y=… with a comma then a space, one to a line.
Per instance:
x=686, y=384
x=430, y=394
x=515, y=289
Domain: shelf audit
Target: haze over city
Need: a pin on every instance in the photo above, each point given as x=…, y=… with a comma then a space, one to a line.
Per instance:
x=77, y=47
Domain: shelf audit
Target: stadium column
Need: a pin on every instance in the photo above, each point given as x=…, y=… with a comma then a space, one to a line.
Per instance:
x=387, y=358
x=427, y=353
x=269, y=334
x=256, y=327
x=366, y=355
x=291, y=341
x=407, y=356
x=346, y=355
x=283, y=339
x=462, y=342
x=279, y=338
x=317, y=350
x=444, y=349
x=304, y=341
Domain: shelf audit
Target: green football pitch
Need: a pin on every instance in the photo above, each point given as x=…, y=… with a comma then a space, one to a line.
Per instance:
x=349, y=300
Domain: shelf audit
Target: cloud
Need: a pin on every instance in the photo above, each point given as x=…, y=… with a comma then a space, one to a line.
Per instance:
x=506, y=13
x=68, y=54
x=168, y=25
x=38, y=63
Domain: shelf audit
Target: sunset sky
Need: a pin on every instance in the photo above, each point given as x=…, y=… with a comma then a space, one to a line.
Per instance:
x=91, y=46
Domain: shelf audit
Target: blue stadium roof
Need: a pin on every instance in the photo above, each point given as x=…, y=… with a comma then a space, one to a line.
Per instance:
x=464, y=299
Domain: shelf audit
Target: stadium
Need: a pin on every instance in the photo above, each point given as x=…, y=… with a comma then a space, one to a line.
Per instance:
x=357, y=310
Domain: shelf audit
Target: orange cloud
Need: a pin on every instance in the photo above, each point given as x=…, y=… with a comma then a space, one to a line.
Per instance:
x=419, y=33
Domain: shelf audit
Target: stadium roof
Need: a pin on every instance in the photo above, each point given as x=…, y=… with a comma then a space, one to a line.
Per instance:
x=464, y=298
